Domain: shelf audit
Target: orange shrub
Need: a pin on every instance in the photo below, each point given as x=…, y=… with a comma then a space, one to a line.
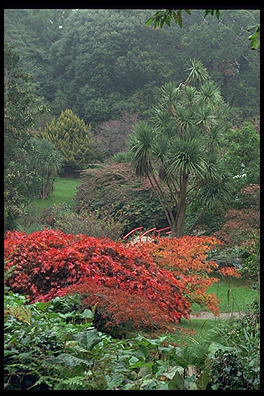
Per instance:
x=186, y=257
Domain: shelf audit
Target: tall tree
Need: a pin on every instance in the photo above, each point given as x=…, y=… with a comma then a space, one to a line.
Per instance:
x=47, y=162
x=178, y=151
x=20, y=108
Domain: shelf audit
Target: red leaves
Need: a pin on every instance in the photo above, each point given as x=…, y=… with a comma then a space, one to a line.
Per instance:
x=48, y=263
x=148, y=285
x=117, y=306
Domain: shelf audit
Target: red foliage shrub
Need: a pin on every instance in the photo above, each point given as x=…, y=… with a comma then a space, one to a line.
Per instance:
x=45, y=263
x=118, y=307
x=186, y=257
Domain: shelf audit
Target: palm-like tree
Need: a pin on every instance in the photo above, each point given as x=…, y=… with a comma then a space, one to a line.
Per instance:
x=178, y=150
x=48, y=162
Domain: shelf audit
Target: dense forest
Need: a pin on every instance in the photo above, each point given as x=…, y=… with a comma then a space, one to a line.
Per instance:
x=100, y=63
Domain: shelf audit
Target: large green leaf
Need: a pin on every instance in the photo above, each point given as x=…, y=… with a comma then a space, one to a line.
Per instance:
x=177, y=382
x=87, y=339
x=214, y=347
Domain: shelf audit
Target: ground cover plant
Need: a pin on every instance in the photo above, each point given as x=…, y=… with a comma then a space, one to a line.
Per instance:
x=54, y=346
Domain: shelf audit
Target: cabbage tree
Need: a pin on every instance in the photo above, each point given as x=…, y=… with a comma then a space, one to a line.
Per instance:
x=179, y=149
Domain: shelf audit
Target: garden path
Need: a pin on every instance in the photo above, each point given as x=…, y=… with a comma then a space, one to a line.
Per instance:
x=222, y=315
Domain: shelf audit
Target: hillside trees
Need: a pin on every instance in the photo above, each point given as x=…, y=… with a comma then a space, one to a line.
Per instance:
x=32, y=31
x=100, y=63
x=167, y=16
x=102, y=68
x=71, y=137
x=178, y=149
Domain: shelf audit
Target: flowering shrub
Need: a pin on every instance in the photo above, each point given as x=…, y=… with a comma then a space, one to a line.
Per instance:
x=186, y=257
x=45, y=263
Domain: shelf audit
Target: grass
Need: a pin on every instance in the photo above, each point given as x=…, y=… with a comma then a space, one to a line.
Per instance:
x=234, y=296
x=241, y=295
x=64, y=191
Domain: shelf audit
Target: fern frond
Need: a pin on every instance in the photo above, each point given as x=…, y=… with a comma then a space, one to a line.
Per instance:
x=74, y=382
x=21, y=313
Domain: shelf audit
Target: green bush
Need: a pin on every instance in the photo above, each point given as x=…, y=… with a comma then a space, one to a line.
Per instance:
x=35, y=335
x=251, y=263
x=239, y=367
x=97, y=223
x=115, y=187
x=30, y=221
x=227, y=372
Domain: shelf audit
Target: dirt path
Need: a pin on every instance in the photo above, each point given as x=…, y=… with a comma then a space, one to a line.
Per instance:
x=210, y=315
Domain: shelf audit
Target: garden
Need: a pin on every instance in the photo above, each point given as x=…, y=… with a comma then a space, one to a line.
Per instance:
x=132, y=197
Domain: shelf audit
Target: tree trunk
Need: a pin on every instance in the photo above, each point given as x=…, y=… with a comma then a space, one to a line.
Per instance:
x=178, y=226
x=44, y=192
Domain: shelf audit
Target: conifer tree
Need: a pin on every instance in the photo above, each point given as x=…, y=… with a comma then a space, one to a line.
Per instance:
x=72, y=138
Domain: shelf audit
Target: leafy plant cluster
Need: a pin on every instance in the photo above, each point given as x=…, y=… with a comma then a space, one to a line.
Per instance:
x=38, y=339
x=95, y=223
x=59, y=349
x=240, y=228
x=238, y=367
x=251, y=263
x=48, y=263
x=54, y=346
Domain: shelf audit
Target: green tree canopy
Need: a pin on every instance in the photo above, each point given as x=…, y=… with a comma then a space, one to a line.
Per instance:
x=101, y=62
x=20, y=108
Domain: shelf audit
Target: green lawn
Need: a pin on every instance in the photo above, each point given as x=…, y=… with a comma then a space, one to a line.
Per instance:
x=240, y=295
x=234, y=296
x=64, y=191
